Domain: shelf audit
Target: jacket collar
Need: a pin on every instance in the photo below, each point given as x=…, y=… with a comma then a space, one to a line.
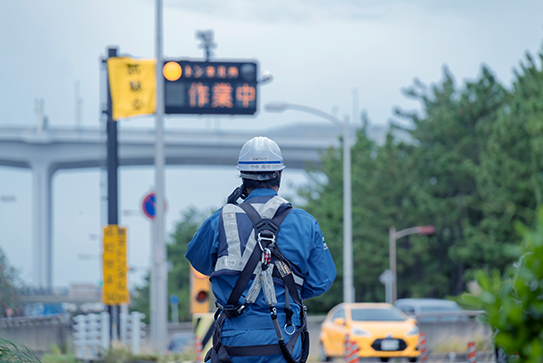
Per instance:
x=260, y=192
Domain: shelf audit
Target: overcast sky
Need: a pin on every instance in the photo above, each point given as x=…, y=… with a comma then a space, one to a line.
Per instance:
x=316, y=50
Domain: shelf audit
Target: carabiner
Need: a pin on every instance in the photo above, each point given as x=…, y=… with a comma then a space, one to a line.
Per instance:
x=293, y=329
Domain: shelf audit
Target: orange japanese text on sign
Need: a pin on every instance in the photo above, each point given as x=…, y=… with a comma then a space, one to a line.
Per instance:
x=245, y=94
x=198, y=94
x=188, y=71
x=233, y=72
x=198, y=71
x=222, y=95
x=221, y=72
x=210, y=71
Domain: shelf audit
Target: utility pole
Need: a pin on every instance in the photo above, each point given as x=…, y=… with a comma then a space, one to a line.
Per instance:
x=159, y=272
x=112, y=185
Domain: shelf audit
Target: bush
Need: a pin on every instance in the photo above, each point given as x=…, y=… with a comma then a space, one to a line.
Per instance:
x=513, y=301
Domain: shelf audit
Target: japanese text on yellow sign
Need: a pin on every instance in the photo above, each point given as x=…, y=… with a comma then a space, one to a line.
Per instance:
x=114, y=266
x=132, y=84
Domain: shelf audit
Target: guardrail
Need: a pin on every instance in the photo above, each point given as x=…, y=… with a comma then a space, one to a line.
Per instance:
x=21, y=321
x=454, y=315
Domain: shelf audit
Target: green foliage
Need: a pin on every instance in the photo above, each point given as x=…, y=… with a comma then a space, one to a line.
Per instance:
x=9, y=281
x=178, y=276
x=514, y=303
x=11, y=351
x=472, y=164
x=56, y=356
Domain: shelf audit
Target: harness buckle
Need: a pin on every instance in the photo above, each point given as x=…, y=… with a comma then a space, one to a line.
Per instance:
x=266, y=238
x=231, y=311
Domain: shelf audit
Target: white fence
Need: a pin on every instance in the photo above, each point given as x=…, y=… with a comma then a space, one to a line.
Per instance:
x=92, y=334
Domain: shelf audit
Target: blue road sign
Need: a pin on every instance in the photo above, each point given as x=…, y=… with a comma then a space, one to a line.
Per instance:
x=148, y=205
x=174, y=299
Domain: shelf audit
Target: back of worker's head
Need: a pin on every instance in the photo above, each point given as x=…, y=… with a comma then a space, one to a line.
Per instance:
x=260, y=163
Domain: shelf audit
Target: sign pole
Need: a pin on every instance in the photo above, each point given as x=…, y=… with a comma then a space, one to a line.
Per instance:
x=112, y=186
x=392, y=262
x=159, y=313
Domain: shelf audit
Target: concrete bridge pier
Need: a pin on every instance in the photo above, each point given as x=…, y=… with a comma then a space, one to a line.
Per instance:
x=42, y=243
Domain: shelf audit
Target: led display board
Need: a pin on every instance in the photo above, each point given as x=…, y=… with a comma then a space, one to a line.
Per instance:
x=227, y=88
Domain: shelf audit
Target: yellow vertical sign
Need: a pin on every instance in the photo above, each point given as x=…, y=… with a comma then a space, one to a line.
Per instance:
x=114, y=266
x=132, y=83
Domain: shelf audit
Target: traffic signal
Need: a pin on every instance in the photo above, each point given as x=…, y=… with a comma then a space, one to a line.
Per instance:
x=200, y=290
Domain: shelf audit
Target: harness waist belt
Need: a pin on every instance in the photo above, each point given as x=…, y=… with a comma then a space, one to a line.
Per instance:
x=253, y=350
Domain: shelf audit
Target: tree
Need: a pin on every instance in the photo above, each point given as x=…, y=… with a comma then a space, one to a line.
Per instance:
x=450, y=135
x=431, y=178
x=9, y=282
x=178, y=276
x=509, y=180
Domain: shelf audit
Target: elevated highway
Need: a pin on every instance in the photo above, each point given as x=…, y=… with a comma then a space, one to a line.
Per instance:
x=47, y=150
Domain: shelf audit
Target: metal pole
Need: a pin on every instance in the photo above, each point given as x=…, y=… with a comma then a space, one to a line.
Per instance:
x=160, y=274
x=355, y=116
x=175, y=312
x=112, y=186
x=348, y=289
x=392, y=262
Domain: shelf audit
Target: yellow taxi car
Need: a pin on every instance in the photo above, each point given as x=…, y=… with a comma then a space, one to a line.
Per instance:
x=380, y=330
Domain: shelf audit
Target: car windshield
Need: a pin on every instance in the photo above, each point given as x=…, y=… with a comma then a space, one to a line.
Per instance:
x=376, y=315
x=430, y=308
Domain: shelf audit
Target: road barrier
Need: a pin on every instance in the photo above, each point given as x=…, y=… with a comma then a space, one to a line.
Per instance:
x=203, y=327
x=198, y=348
x=351, y=350
x=91, y=335
x=422, y=347
x=92, y=338
x=472, y=351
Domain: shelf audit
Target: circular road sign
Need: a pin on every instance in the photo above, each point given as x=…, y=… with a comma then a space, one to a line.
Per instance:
x=148, y=205
x=174, y=299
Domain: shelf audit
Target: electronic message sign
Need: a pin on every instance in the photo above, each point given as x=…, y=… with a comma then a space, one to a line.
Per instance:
x=227, y=88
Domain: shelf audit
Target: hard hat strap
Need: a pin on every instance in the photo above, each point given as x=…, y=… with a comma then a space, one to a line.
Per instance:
x=259, y=177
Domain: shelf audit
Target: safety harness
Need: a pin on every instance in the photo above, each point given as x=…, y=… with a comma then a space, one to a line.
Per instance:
x=265, y=262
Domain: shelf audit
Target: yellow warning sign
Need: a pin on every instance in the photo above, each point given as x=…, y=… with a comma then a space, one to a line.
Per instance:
x=114, y=266
x=132, y=83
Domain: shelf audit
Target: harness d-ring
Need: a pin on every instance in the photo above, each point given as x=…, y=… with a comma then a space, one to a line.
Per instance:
x=293, y=329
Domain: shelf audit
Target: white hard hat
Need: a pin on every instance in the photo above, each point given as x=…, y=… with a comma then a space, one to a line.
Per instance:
x=260, y=154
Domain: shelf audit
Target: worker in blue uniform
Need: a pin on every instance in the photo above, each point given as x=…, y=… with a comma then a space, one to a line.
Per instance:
x=263, y=258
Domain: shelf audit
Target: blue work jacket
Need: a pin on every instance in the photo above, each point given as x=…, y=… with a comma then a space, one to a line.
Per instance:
x=300, y=241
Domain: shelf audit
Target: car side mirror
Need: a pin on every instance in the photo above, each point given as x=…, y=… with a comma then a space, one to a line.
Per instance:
x=339, y=321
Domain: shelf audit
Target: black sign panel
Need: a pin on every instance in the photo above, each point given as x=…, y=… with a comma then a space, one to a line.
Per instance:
x=227, y=88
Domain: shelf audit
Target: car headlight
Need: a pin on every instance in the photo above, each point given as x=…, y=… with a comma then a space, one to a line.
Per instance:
x=361, y=332
x=414, y=331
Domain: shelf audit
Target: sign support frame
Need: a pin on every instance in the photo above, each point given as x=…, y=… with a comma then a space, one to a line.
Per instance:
x=112, y=186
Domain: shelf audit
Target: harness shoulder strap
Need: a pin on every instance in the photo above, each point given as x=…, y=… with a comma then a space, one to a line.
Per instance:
x=247, y=272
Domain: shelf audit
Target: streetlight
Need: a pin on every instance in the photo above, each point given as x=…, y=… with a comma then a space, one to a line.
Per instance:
x=393, y=236
x=348, y=287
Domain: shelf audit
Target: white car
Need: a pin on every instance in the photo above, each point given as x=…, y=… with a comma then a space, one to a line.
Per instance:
x=432, y=307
